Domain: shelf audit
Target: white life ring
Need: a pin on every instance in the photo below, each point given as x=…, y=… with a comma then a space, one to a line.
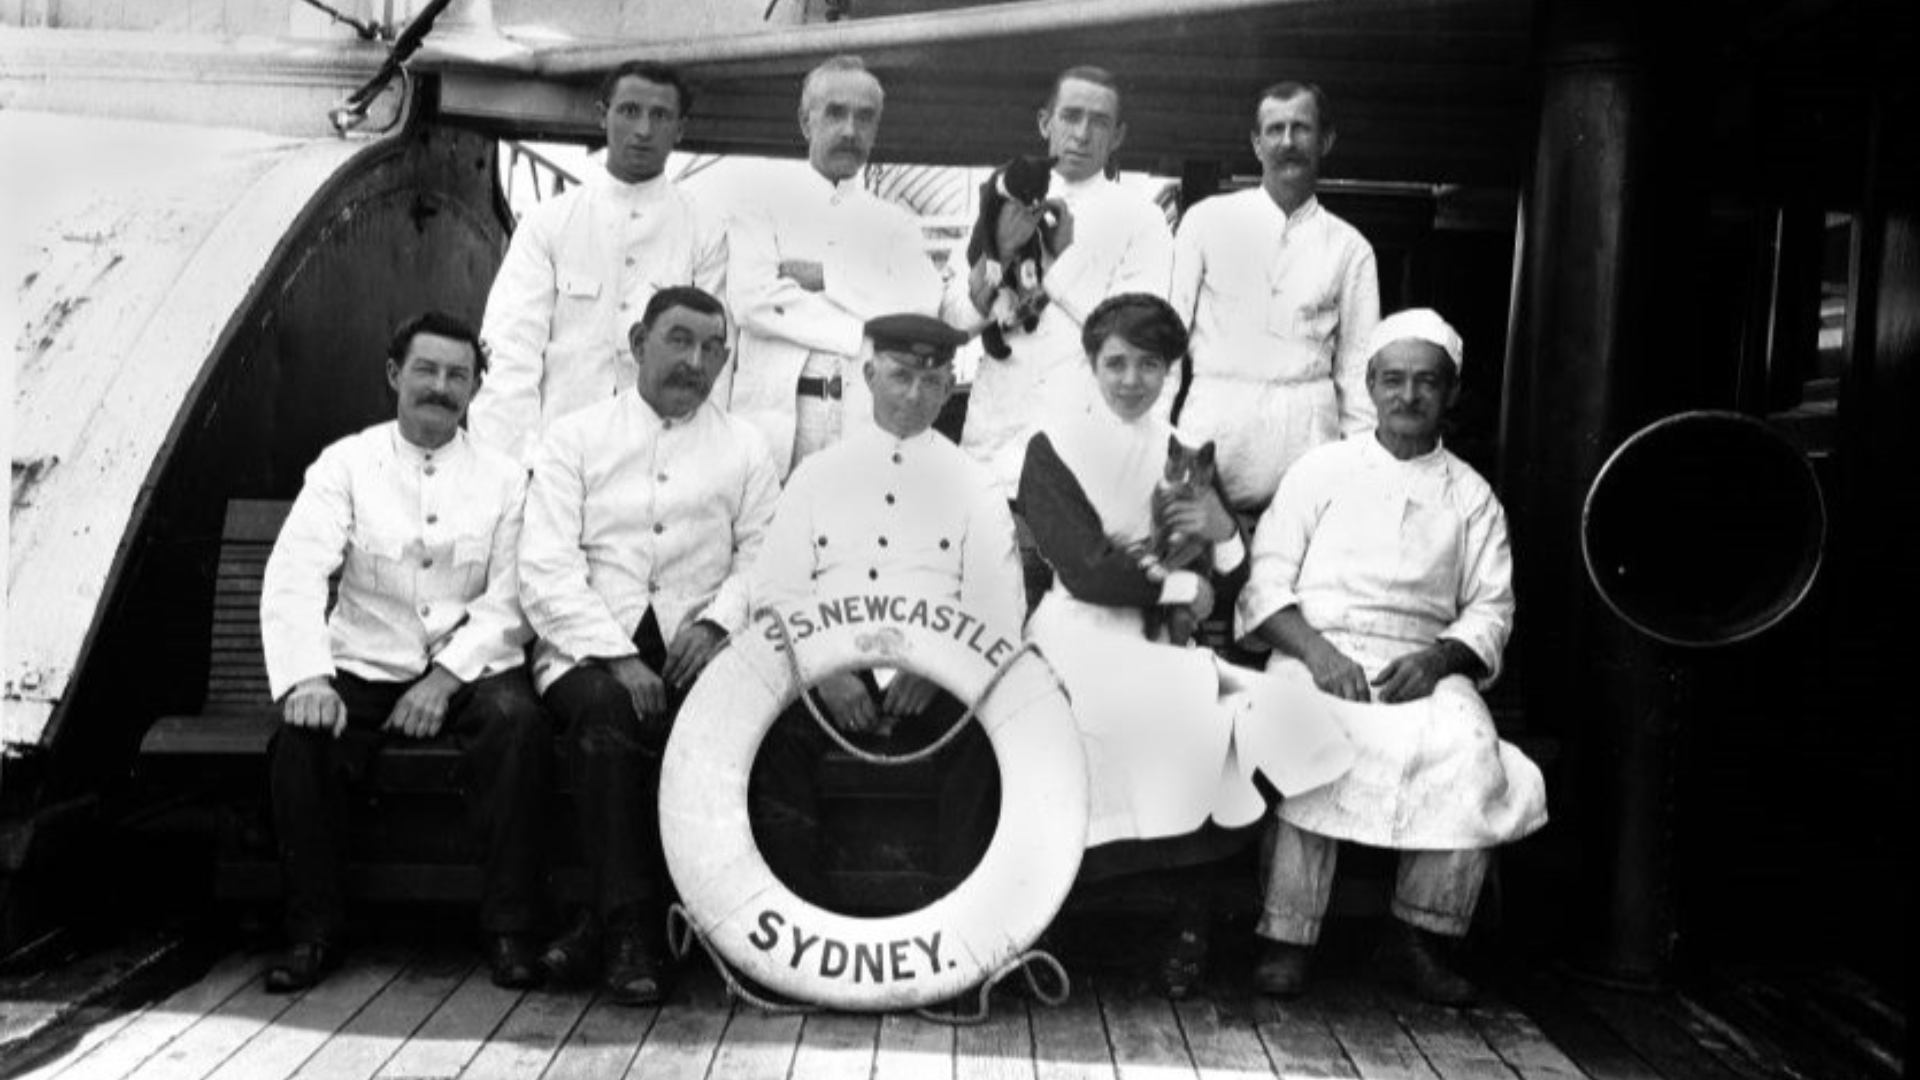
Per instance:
x=919, y=957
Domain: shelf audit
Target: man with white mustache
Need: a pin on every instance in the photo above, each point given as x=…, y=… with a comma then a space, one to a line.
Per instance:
x=813, y=263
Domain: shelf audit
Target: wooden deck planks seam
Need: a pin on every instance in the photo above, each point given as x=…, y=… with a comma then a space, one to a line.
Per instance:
x=364, y=1045
x=204, y=1047
x=162, y=1022
x=283, y=1046
x=592, y=1051
x=527, y=1040
x=454, y=1034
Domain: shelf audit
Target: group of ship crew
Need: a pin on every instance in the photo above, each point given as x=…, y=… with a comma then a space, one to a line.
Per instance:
x=651, y=372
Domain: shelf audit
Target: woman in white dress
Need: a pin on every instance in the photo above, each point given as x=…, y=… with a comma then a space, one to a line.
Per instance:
x=1174, y=736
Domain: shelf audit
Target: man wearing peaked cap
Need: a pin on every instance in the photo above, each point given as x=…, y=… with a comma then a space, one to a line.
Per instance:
x=1381, y=574
x=895, y=509
x=918, y=340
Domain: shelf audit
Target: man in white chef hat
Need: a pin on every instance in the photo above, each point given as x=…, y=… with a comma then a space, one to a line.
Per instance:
x=1381, y=573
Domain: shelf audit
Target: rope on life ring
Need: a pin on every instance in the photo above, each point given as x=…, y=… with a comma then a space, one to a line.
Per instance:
x=973, y=937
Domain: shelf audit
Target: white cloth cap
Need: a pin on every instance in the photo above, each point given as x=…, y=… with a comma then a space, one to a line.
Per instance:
x=1420, y=324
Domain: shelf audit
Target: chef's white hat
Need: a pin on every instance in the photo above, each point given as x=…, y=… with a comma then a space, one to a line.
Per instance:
x=1419, y=324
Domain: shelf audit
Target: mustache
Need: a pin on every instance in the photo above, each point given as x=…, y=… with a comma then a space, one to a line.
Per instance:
x=441, y=400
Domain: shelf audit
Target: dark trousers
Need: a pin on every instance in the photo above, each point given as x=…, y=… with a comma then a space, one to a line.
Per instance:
x=613, y=763
x=505, y=743
x=783, y=795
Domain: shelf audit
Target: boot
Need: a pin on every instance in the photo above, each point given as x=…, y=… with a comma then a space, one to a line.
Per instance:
x=1422, y=962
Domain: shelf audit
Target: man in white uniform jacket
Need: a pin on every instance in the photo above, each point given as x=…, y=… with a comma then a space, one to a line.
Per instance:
x=1108, y=241
x=893, y=509
x=812, y=263
x=1382, y=573
x=1280, y=295
x=583, y=265
x=644, y=512
x=425, y=640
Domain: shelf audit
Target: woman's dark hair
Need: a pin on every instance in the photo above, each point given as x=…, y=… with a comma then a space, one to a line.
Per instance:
x=1147, y=323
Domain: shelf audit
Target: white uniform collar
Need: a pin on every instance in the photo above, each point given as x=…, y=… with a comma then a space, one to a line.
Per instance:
x=420, y=455
x=1073, y=191
x=836, y=191
x=1288, y=222
x=644, y=191
x=1435, y=458
x=644, y=409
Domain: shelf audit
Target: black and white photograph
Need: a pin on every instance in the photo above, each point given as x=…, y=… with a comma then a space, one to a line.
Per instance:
x=959, y=539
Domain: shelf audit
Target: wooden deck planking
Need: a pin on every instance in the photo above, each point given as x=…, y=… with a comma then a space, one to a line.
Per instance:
x=1299, y=1042
x=215, y=1037
x=359, y=1049
x=1221, y=1037
x=756, y=1046
x=1585, y=1038
x=1374, y=1041
x=999, y=1049
x=836, y=1046
x=1642, y=1022
x=108, y=1025
x=448, y=1041
x=1522, y=1045
x=530, y=1036
x=121, y=1053
x=1070, y=1042
x=913, y=1049
x=603, y=1043
x=1145, y=1034
x=1451, y=1044
x=682, y=1041
x=278, y=1052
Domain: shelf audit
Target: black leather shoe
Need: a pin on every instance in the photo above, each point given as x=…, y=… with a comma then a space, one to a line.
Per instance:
x=1282, y=970
x=513, y=961
x=635, y=969
x=304, y=964
x=1422, y=962
x=574, y=957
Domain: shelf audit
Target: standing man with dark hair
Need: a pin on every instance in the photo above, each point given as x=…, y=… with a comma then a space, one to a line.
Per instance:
x=1281, y=296
x=424, y=641
x=816, y=260
x=1106, y=241
x=582, y=267
x=643, y=514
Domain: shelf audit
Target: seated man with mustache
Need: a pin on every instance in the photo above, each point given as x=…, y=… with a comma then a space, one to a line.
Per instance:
x=425, y=641
x=644, y=511
x=1381, y=575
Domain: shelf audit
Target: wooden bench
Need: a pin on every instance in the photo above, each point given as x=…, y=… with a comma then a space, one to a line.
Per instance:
x=416, y=847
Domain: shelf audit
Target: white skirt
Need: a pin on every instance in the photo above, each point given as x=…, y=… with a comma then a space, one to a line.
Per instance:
x=1174, y=736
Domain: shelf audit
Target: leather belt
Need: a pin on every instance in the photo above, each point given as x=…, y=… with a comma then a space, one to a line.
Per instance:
x=820, y=388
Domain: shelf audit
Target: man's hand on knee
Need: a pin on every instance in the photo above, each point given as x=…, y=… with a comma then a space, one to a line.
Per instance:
x=423, y=708
x=314, y=703
x=1414, y=676
x=695, y=645
x=909, y=695
x=849, y=706
x=648, y=692
x=1336, y=673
